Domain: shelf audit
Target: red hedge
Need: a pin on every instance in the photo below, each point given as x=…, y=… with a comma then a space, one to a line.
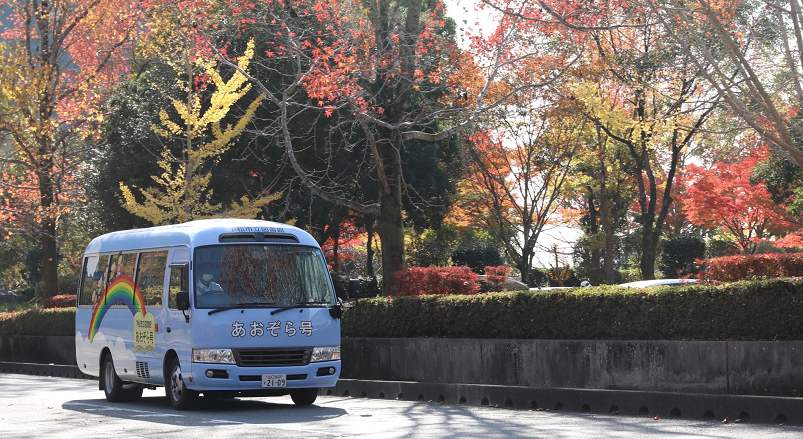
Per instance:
x=418, y=281
x=736, y=268
x=60, y=301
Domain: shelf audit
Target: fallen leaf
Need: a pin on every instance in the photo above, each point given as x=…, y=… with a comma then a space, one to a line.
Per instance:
x=656, y=418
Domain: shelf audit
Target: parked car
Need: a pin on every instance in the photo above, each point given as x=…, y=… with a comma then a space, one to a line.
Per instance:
x=658, y=282
x=511, y=284
x=550, y=288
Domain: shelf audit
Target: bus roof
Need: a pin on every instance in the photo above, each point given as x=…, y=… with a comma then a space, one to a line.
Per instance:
x=200, y=232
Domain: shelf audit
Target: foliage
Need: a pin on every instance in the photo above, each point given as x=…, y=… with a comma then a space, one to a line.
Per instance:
x=477, y=256
x=725, y=197
x=496, y=277
x=183, y=193
x=518, y=170
x=759, y=310
x=539, y=277
x=433, y=247
x=753, y=39
x=60, y=301
x=57, y=61
x=741, y=267
x=680, y=252
x=417, y=281
x=54, y=321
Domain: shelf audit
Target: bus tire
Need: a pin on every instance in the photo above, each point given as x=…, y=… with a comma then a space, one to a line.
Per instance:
x=112, y=384
x=304, y=396
x=181, y=398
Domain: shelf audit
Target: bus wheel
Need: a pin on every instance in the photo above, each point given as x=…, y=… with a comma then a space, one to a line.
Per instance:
x=112, y=384
x=304, y=396
x=180, y=396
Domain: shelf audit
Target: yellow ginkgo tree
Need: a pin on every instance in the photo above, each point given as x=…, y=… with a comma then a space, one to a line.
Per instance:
x=182, y=193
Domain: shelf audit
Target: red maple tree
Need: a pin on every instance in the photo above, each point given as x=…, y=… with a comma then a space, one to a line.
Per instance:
x=724, y=197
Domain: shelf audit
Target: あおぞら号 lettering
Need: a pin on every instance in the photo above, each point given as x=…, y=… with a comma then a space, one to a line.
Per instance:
x=259, y=329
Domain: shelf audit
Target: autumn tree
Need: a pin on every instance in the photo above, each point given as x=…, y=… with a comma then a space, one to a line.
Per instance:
x=749, y=52
x=57, y=59
x=520, y=167
x=603, y=196
x=724, y=197
x=650, y=101
x=183, y=192
x=389, y=73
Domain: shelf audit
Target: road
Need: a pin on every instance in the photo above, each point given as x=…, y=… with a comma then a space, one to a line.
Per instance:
x=46, y=407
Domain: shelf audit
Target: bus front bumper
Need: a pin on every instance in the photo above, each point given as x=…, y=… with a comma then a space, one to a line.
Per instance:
x=230, y=377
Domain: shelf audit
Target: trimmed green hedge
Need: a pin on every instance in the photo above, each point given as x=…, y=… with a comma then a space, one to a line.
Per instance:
x=757, y=310
x=55, y=321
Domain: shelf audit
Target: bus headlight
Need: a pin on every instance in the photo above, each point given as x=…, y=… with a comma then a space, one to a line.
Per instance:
x=325, y=353
x=219, y=356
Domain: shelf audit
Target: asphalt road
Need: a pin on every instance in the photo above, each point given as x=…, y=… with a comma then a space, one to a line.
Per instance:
x=46, y=407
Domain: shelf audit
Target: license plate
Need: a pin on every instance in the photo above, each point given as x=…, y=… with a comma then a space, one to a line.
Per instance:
x=274, y=380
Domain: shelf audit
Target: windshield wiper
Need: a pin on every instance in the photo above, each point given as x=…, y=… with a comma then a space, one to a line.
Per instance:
x=242, y=305
x=298, y=305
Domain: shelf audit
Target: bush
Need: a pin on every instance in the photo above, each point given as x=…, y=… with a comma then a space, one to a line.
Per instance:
x=680, y=252
x=68, y=283
x=56, y=321
x=477, y=255
x=416, y=281
x=539, y=277
x=757, y=310
x=496, y=277
x=60, y=301
x=736, y=268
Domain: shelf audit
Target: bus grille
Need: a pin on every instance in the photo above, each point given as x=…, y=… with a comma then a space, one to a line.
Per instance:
x=272, y=357
x=142, y=370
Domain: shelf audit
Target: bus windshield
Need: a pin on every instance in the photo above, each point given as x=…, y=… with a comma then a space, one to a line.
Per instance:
x=260, y=276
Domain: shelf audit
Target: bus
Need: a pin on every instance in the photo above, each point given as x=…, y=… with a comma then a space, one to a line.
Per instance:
x=220, y=307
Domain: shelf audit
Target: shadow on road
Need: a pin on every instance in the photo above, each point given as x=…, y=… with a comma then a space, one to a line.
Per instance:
x=208, y=411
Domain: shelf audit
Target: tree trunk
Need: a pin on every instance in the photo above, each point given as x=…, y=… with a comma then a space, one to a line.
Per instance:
x=369, y=254
x=525, y=273
x=648, y=249
x=47, y=226
x=335, y=255
x=390, y=223
x=607, y=228
x=50, y=261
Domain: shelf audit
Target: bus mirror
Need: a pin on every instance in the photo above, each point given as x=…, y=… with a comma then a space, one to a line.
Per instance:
x=336, y=311
x=183, y=300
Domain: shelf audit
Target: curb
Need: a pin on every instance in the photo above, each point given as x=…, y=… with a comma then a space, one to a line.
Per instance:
x=53, y=370
x=756, y=409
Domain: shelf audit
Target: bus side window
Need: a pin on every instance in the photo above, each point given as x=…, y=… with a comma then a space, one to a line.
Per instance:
x=94, y=279
x=123, y=264
x=151, y=276
x=178, y=282
x=88, y=283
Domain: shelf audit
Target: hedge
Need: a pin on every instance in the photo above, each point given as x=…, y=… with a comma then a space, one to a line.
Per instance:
x=756, y=310
x=746, y=267
x=54, y=321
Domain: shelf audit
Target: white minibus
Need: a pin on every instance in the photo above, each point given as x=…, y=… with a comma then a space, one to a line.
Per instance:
x=223, y=307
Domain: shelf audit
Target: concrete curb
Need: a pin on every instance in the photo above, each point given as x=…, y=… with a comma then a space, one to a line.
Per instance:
x=53, y=370
x=758, y=409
